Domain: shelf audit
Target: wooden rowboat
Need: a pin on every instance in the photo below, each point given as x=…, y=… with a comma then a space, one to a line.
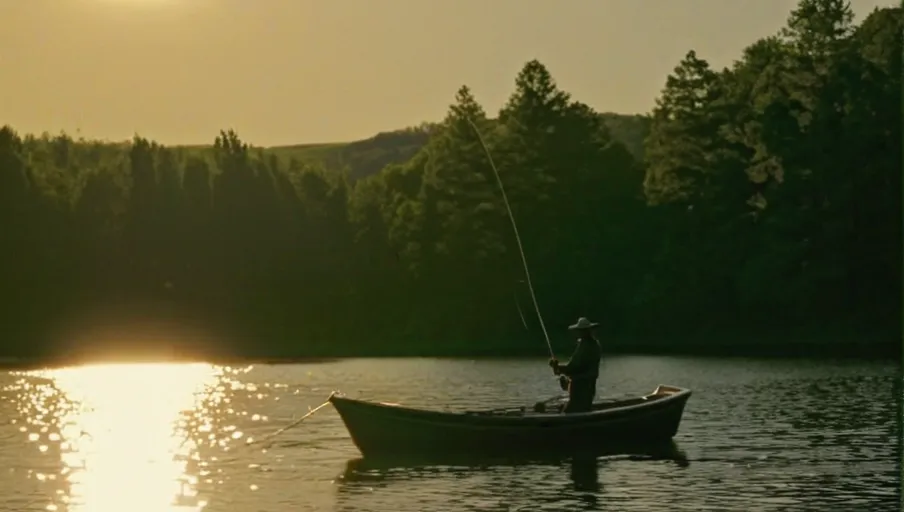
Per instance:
x=380, y=429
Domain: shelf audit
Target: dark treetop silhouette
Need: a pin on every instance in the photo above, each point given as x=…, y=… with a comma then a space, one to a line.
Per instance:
x=762, y=209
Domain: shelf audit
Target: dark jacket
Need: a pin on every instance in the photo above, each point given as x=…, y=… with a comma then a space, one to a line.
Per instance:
x=585, y=362
x=582, y=370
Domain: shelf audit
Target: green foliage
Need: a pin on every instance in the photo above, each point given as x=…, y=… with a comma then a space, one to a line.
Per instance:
x=763, y=198
x=366, y=157
x=800, y=130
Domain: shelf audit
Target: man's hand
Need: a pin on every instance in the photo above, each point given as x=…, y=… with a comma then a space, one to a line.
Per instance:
x=564, y=383
x=554, y=364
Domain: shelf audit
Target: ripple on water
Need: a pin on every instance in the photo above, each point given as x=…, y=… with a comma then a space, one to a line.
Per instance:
x=757, y=435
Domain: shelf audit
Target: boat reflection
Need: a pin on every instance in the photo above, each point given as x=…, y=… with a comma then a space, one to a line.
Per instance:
x=540, y=480
x=584, y=466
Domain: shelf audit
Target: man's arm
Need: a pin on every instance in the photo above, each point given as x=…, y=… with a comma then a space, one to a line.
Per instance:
x=579, y=363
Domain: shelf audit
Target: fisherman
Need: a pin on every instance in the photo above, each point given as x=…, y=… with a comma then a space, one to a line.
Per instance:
x=582, y=369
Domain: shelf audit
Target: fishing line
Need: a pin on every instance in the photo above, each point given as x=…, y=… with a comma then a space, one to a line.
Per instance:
x=511, y=217
x=520, y=313
x=290, y=425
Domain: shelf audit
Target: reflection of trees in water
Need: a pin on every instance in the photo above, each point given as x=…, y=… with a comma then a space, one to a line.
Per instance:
x=838, y=403
x=842, y=417
x=495, y=479
x=829, y=402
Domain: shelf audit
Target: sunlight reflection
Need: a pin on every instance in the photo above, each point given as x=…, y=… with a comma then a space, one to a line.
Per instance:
x=124, y=441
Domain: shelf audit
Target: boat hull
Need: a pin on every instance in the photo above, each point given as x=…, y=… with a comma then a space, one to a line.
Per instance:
x=385, y=429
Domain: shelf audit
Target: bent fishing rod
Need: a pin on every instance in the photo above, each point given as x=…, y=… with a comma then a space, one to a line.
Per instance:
x=511, y=217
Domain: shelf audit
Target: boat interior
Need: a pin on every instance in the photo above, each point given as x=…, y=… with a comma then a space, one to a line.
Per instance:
x=555, y=407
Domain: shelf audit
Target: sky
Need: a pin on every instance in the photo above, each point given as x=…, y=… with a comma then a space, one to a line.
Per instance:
x=304, y=71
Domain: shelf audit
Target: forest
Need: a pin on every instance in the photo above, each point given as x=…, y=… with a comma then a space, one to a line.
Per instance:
x=760, y=211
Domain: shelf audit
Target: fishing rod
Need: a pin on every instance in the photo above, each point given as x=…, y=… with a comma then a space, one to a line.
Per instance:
x=511, y=217
x=520, y=312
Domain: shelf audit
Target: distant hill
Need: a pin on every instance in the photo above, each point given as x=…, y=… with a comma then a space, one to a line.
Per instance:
x=630, y=130
x=368, y=156
x=361, y=157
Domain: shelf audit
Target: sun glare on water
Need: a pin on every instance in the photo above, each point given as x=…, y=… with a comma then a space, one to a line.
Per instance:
x=124, y=446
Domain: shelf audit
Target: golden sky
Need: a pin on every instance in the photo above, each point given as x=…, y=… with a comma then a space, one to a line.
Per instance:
x=299, y=71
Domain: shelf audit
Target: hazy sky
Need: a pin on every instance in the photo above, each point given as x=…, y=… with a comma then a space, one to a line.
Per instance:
x=294, y=71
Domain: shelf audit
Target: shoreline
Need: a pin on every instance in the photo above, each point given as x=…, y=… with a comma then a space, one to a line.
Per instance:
x=888, y=351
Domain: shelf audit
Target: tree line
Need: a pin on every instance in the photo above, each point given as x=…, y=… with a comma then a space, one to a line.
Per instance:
x=764, y=211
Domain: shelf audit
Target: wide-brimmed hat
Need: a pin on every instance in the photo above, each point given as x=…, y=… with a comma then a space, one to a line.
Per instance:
x=582, y=323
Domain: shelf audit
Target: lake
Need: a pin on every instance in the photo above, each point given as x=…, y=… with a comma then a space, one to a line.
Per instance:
x=756, y=435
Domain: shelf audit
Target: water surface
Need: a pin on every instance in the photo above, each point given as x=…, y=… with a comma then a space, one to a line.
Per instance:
x=756, y=435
